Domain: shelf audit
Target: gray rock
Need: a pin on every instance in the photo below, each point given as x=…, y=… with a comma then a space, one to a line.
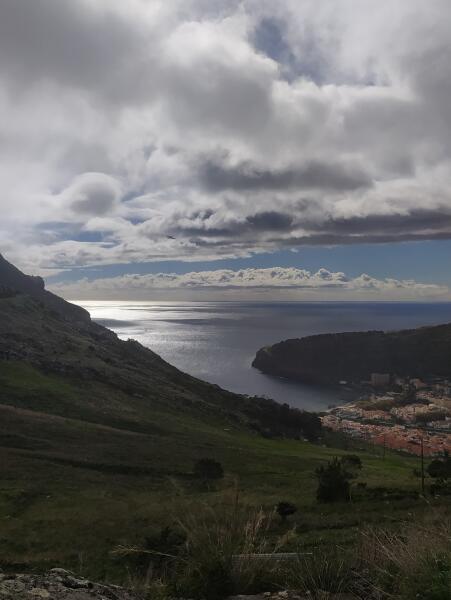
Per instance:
x=58, y=584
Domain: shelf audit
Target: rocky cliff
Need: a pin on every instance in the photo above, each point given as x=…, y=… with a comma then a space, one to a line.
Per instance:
x=330, y=358
x=12, y=281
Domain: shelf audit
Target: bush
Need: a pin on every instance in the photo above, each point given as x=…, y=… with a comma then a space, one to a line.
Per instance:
x=285, y=509
x=333, y=482
x=218, y=560
x=440, y=467
x=208, y=469
x=440, y=470
x=351, y=462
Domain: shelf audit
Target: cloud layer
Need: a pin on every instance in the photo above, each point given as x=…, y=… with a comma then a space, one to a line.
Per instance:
x=196, y=130
x=290, y=283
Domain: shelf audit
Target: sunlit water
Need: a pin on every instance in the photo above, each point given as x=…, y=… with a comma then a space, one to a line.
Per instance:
x=217, y=341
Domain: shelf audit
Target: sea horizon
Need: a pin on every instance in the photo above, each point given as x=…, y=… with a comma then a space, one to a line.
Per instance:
x=217, y=340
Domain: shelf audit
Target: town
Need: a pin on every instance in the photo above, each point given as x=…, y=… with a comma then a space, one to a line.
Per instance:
x=409, y=415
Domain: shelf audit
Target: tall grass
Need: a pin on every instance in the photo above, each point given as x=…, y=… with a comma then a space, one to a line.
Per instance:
x=321, y=573
x=221, y=555
x=230, y=548
x=219, y=558
x=412, y=564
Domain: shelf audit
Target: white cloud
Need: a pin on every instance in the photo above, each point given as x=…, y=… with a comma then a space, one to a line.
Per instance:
x=93, y=194
x=277, y=282
x=195, y=130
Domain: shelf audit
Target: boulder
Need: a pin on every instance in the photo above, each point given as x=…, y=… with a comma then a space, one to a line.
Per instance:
x=58, y=584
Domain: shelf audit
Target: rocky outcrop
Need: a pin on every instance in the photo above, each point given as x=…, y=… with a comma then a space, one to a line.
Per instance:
x=331, y=358
x=58, y=584
x=12, y=280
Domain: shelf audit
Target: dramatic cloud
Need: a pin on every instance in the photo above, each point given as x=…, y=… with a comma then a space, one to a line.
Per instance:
x=93, y=194
x=290, y=283
x=314, y=175
x=197, y=130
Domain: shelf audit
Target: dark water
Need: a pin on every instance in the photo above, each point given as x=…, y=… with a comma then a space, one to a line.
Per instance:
x=217, y=341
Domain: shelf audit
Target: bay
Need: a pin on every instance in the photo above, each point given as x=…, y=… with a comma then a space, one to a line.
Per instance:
x=217, y=341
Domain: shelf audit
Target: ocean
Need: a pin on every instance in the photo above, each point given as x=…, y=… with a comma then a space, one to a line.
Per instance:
x=217, y=341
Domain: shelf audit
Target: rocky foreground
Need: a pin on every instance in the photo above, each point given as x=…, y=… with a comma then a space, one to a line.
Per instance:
x=59, y=584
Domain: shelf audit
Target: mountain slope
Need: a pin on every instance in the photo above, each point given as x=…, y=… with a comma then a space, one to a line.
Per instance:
x=98, y=438
x=55, y=338
x=72, y=392
x=329, y=358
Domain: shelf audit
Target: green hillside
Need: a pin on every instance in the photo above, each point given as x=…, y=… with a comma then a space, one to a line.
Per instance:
x=98, y=438
x=353, y=356
x=73, y=486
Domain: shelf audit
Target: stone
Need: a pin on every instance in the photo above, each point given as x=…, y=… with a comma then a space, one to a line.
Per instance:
x=39, y=593
x=74, y=583
x=58, y=584
x=59, y=571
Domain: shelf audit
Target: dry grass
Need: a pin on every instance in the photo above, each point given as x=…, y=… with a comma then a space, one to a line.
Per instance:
x=320, y=573
x=222, y=542
x=218, y=557
x=414, y=563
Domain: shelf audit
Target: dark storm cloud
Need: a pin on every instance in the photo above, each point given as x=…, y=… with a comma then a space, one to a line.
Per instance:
x=329, y=239
x=270, y=221
x=312, y=175
x=418, y=220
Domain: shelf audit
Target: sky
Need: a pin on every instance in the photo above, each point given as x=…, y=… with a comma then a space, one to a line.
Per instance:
x=228, y=148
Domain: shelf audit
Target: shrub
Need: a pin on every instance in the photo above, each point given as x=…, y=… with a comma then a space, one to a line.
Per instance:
x=333, y=482
x=351, y=462
x=285, y=509
x=440, y=470
x=219, y=555
x=440, y=467
x=208, y=469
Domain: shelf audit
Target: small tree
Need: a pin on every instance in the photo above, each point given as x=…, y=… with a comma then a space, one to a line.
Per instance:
x=352, y=462
x=333, y=482
x=208, y=469
x=285, y=509
x=440, y=470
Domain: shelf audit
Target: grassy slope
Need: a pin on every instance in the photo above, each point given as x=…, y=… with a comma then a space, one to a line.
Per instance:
x=67, y=496
x=99, y=450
